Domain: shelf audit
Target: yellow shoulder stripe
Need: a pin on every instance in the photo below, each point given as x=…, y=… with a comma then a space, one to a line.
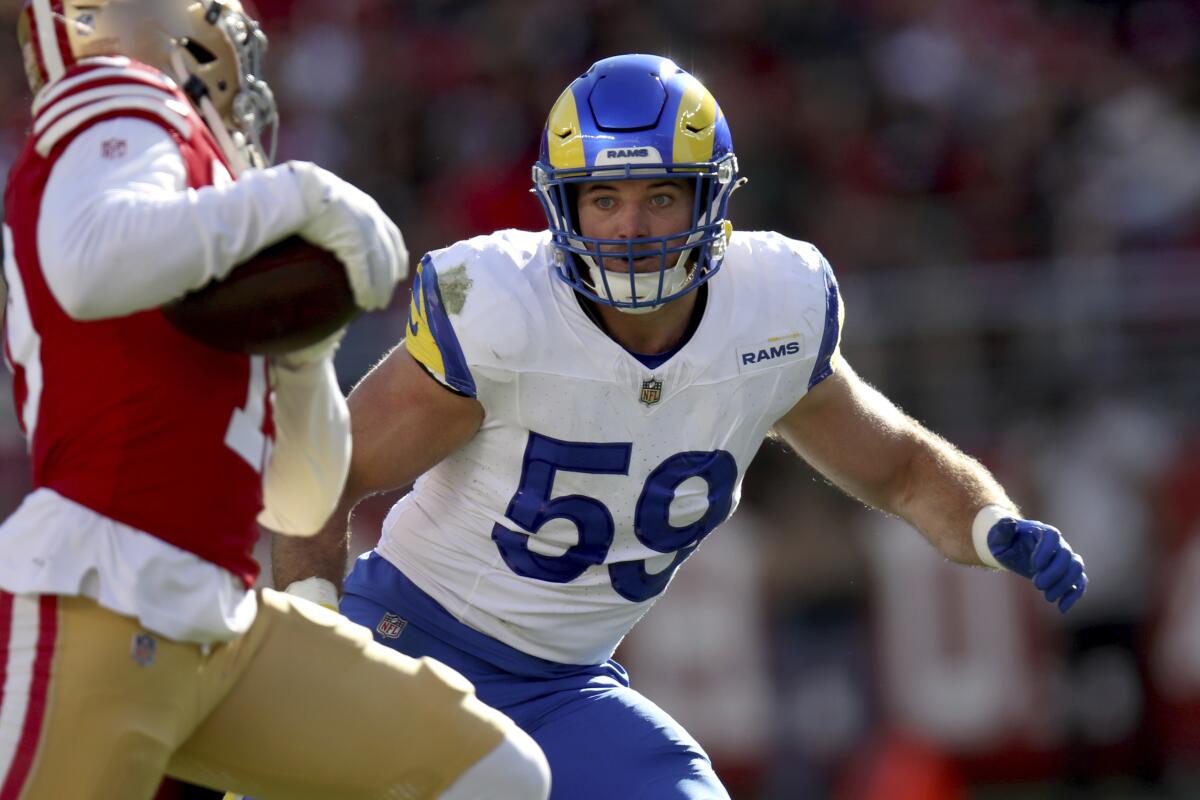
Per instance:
x=419, y=341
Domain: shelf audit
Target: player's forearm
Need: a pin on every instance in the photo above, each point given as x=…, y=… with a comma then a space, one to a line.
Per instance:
x=939, y=490
x=311, y=458
x=320, y=556
x=871, y=449
x=324, y=554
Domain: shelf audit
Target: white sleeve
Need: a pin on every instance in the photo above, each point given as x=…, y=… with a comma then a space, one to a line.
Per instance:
x=311, y=458
x=120, y=231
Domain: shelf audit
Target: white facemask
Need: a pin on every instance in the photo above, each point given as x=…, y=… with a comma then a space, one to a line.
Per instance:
x=645, y=284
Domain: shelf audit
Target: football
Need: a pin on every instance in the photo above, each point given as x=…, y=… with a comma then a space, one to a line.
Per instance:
x=287, y=297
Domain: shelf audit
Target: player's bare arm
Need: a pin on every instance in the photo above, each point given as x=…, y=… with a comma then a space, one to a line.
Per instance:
x=402, y=423
x=860, y=441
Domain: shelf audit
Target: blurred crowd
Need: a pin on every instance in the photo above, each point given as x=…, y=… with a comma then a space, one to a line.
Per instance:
x=1009, y=191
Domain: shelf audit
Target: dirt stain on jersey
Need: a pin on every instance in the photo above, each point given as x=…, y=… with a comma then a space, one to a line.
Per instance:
x=455, y=285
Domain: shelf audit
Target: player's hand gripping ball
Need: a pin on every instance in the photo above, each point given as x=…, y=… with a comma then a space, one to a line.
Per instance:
x=1040, y=553
x=287, y=297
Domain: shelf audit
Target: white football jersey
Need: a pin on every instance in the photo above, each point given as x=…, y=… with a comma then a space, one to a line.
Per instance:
x=593, y=477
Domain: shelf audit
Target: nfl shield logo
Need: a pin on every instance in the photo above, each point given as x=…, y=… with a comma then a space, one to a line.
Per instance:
x=651, y=391
x=143, y=648
x=391, y=626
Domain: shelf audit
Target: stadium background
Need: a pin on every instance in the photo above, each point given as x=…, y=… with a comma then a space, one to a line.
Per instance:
x=1010, y=193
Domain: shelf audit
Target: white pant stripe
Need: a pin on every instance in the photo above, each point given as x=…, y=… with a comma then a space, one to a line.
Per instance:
x=18, y=655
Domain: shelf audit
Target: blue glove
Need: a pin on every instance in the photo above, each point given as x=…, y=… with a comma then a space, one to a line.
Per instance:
x=1040, y=553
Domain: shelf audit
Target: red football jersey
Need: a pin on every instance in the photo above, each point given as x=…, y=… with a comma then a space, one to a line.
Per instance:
x=127, y=416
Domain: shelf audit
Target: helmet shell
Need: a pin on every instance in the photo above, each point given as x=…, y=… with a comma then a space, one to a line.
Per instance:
x=216, y=45
x=634, y=117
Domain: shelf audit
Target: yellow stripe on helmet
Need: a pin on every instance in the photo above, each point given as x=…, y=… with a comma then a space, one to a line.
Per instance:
x=564, y=134
x=696, y=125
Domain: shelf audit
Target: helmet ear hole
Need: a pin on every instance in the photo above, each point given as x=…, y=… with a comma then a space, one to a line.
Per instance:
x=199, y=52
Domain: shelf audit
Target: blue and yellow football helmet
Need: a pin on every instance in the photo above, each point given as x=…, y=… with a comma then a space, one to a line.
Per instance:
x=634, y=117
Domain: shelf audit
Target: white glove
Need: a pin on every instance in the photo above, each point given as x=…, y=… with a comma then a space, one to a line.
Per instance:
x=349, y=223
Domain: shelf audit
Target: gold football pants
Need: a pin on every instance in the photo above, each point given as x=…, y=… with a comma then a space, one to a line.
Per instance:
x=304, y=705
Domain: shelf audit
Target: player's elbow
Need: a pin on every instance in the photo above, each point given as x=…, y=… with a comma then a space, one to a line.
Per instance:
x=76, y=281
x=899, y=491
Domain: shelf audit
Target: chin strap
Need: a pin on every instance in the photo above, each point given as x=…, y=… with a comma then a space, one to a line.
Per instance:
x=644, y=284
x=198, y=92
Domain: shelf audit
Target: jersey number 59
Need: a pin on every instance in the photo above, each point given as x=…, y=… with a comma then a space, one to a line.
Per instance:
x=531, y=508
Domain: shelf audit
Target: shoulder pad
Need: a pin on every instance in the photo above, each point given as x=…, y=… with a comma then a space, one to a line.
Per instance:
x=103, y=88
x=797, y=283
x=470, y=307
x=775, y=251
x=431, y=338
x=816, y=295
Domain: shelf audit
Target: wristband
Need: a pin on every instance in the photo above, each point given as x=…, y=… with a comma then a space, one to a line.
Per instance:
x=315, y=590
x=984, y=520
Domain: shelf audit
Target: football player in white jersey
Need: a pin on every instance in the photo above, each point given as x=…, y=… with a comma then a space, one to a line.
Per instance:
x=578, y=407
x=132, y=642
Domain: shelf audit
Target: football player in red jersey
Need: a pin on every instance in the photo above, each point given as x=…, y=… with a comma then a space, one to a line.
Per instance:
x=131, y=642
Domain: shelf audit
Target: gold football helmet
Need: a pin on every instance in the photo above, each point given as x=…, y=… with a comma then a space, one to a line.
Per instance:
x=213, y=48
